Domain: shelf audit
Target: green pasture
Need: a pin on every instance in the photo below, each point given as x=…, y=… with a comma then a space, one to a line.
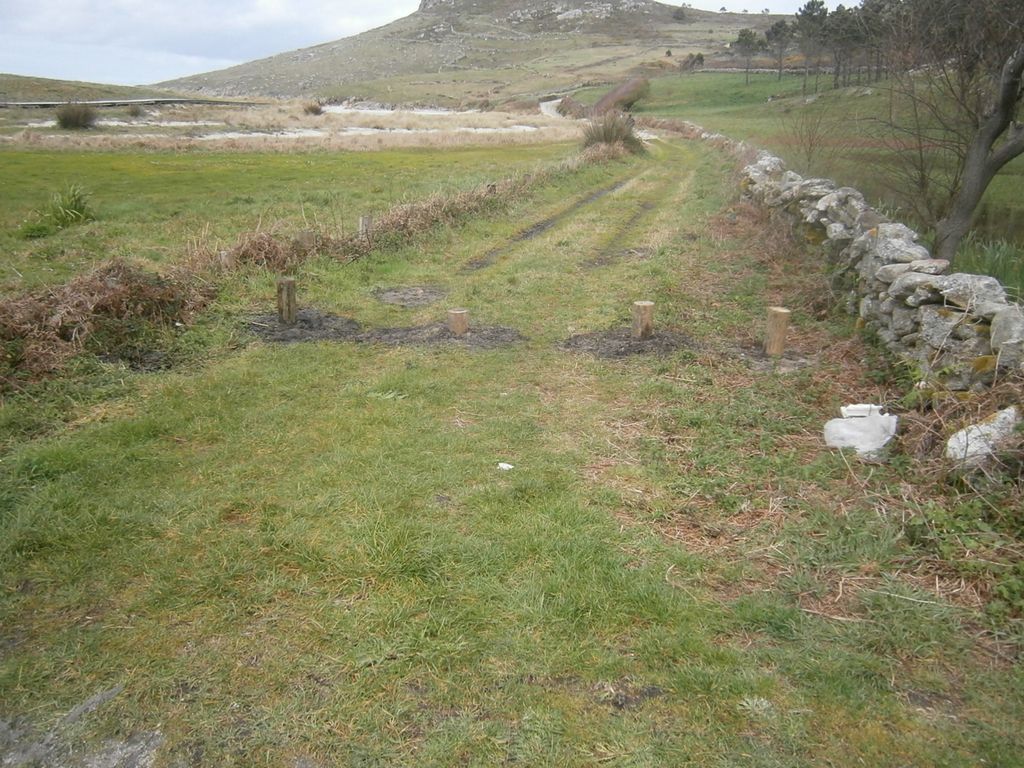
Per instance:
x=307, y=554
x=152, y=205
x=849, y=145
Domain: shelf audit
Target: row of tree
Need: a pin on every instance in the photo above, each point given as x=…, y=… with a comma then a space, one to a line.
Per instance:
x=954, y=70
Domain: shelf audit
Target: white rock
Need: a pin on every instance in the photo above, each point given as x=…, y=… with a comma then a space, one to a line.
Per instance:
x=972, y=446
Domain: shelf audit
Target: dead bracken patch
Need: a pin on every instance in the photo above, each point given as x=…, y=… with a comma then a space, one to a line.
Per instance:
x=41, y=331
x=619, y=342
x=411, y=296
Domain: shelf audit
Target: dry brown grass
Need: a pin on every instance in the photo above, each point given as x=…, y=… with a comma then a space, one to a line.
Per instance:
x=267, y=128
x=40, y=332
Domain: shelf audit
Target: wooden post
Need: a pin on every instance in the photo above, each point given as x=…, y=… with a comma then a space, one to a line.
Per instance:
x=778, y=324
x=366, y=226
x=458, y=321
x=643, y=319
x=287, y=309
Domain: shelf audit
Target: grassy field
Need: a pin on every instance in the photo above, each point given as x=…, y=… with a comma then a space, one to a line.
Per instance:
x=835, y=134
x=152, y=205
x=308, y=555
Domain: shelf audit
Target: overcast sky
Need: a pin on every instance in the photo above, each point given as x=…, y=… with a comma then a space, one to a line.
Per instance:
x=135, y=42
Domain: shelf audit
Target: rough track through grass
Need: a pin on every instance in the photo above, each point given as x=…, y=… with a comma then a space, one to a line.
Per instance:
x=350, y=554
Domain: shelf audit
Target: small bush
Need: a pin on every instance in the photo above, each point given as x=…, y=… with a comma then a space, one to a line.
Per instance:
x=313, y=108
x=67, y=207
x=613, y=128
x=76, y=116
x=70, y=206
x=136, y=111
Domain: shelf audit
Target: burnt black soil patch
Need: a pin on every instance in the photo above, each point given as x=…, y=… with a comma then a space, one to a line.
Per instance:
x=625, y=695
x=139, y=359
x=535, y=230
x=754, y=356
x=620, y=343
x=411, y=296
x=479, y=337
x=609, y=257
x=310, y=326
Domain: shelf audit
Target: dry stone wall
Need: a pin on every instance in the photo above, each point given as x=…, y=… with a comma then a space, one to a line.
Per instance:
x=958, y=330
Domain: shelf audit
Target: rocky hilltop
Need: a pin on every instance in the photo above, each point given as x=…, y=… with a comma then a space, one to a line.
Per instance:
x=466, y=52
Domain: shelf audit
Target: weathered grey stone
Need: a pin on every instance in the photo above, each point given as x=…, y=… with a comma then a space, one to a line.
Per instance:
x=938, y=325
x=838, y=231
x=930, y=266
x=895, y=231
x=1010, y=356
x=909, y=283
x=890, y=272
x=973, y=446
x=903, y=322
x=982, y=294
x=892, y=250
x=1007, y=326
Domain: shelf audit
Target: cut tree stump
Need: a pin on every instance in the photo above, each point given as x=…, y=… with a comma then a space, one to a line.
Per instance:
x=643, y=319
x=287, y=308
x=458, y=321
x=778, y=324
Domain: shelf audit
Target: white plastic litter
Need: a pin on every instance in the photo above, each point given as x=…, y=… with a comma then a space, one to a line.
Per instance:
x=505, y=467
x=863, y=427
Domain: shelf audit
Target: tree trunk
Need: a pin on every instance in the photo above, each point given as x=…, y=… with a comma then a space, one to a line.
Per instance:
x=984, y=159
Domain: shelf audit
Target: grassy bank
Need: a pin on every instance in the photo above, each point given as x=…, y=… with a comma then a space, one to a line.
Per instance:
x=836, y=134
x=307, y=554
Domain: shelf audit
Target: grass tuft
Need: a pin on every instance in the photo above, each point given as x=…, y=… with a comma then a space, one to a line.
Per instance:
x=613, y=128
x=68, y=207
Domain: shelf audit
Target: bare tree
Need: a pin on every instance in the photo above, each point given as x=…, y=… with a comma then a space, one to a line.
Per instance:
x=957, y=91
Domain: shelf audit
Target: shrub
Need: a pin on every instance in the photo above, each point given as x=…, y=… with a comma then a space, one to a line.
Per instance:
x=624, y=95
x=67, y=207
x=613, y=128
x=136, y=110
x=70, y=206
x=76, y=116
x=313, y=108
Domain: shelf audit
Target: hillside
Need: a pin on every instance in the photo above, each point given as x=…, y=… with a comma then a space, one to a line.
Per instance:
x=21, y=88
x=485, y=51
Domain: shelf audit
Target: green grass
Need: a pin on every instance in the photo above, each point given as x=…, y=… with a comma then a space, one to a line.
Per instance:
x=309, y=552
x=846, y=145
x=150, y=205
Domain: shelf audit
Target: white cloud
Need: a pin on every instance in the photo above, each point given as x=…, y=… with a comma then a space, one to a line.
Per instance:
x=137, y=41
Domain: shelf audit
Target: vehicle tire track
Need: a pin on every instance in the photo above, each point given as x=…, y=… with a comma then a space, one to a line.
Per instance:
x=540, y=227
